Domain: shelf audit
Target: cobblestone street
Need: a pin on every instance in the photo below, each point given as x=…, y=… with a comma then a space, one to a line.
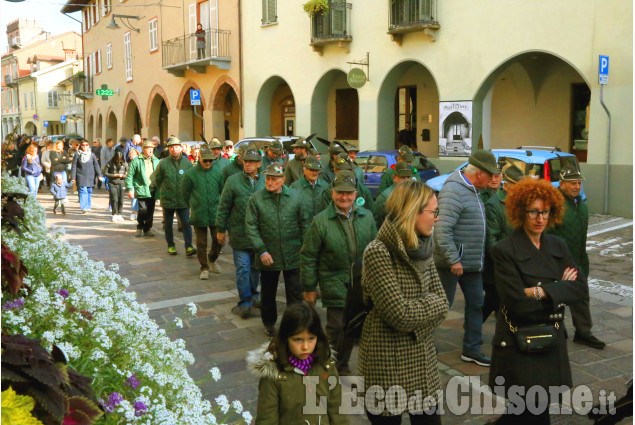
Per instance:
x=219, y=338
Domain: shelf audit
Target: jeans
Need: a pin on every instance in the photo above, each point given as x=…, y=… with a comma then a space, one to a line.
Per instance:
x=269, y=288
x=116, y=198
x=146, y=213
x=472, y=286
x=201, y=246
x=33, y=183
x=184, y=216
x=134, y=206
x=59, y=203
x=246, y=277
x=85, y=193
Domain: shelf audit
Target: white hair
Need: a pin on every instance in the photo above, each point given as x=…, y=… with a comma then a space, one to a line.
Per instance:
x=156, y=138
x=136, y=138
x=471, y=169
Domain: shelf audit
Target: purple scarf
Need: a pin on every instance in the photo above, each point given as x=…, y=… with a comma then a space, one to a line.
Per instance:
x=304, y=365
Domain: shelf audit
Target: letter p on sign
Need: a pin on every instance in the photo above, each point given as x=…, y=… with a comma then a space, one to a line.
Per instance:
x=603, y=70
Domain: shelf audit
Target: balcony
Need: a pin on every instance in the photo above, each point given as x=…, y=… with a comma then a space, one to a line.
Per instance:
x=14, y=42
x=10, y=80
x=83, y=87
x=412, y=15
x=181, y=53
x=332, y=27
x=74, y=110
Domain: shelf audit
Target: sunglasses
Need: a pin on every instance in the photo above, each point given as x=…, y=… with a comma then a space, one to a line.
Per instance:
x=207, y=161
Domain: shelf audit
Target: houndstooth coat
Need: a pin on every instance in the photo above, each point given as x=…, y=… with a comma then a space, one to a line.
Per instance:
x=396, y=346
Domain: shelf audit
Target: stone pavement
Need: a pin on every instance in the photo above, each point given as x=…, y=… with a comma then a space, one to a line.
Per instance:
x=216, y=337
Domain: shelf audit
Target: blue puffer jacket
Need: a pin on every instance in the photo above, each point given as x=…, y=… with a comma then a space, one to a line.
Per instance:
x=459, y=235
x=60, y=191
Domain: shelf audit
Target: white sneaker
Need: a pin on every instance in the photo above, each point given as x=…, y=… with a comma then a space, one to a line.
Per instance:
x=114, y=219
x=204, y=275
x=213, y=267
x=133, y=217
x=119, y=217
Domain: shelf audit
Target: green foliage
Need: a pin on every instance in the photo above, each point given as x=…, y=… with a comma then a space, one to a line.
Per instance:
x=316, y=7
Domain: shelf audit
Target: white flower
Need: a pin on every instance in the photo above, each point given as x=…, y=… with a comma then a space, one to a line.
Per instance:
x=247, y=417
x=215, y=373
x=223, y=403
x=192, y=308
x=238, y=406
x=178, y=322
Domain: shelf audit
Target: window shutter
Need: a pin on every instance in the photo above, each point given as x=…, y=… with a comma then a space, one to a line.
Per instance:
x=425, y=10
x=193, y=23
x=99, y=61
x=338, y=18
x=271, y=11
x=128, y=56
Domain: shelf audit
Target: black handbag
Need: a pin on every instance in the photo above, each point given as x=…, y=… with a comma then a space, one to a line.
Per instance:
x=534, y=338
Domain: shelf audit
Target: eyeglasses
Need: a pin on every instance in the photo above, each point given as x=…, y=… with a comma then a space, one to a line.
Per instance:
x=533, y=214
x=207, y=161
x=434, y=211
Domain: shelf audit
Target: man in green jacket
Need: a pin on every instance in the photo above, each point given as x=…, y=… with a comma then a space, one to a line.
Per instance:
x=275, y=225
x=365, y=198
x=217, y=150
x=335, y=240
x=273, y=154
x=140, y=186
x=492, y=188
x=232, y=209
x=200, y=188
x=311, y=187
x=402, y=173
x=295, y=167
x=497, y=228
x=167, y=179
x=404, y=155
x=573, y=230
x=235, y=166
x=328, y=172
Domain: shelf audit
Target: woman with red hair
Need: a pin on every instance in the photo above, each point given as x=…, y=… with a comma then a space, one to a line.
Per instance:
x=535, y=278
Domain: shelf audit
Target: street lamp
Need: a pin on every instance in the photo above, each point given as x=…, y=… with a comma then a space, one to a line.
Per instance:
x=113, y=25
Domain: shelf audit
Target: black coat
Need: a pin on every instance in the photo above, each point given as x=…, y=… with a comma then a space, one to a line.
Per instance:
x=518, y=265
x=85, y=173
x=59, y=160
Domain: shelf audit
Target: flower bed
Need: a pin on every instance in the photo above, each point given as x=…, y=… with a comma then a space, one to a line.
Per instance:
x=80, y=305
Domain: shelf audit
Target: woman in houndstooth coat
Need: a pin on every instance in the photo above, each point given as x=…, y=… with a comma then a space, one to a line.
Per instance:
x=400, y=281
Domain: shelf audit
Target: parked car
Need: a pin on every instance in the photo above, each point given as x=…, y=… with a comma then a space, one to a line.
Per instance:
x=261, y=142
x=374, y=163
x=545, y=163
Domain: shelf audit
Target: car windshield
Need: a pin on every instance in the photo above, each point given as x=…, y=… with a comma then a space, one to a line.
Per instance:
x=362, y=161
x=376, y=164
x=557, y=164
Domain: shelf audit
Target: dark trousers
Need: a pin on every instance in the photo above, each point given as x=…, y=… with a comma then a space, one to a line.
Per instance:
x=269, y=288
x=342, y=343
x=116, y=198
x=146, y=213
x=168, y=219
x=59, y=203
x=201, y=246
x=491, y=303
x=526, y=418
x=396, y=420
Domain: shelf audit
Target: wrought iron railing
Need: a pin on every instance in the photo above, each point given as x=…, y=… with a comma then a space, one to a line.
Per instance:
x=412, y=13
x=188, y=48
x=334, y=24
x=83, y=87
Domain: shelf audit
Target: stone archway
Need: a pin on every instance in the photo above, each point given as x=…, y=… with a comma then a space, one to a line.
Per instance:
x=408, y=89
x=190, y=125
x=224, y=102
x=335, y=108
x=157, y=113
x=533, y=98
x=272, y=117
x=99, y=131
x=90, y=128
x=132, y=123
x=111, y=126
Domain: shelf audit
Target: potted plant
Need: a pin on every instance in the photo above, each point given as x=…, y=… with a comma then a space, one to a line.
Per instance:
x=316, y=7
x=80, y=74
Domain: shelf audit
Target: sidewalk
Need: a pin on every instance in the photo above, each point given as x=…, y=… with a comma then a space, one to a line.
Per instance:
x=219, y=338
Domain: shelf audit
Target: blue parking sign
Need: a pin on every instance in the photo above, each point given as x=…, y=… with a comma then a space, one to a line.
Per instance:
x=195, y=97
x=603, y=70
x=63, y=119
x=46, y=123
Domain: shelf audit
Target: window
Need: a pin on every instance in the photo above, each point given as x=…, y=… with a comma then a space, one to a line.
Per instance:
x=24, y=106
x=105, y=7
x=109, y=55
x=127, y=56
x=53, y=98
x=377, y=164
x=32, y=100
x=95, y=12
x=90, y=16
x=98, y=62
x=86, y=13
x=269, y=12
x=154, y=39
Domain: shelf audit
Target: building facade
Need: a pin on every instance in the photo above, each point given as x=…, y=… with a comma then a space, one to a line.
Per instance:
x=463, y=75
x=148, y=62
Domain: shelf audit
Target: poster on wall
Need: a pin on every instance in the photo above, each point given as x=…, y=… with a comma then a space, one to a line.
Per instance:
x=455, y=128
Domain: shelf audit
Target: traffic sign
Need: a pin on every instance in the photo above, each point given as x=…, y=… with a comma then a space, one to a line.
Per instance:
x=46, y=123
x=603, y=70
x=35, y=117
x=63, y=119
x=195, y=97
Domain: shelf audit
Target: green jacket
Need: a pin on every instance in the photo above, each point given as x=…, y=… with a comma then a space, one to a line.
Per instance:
x=362, y=192
x=294, y=171
x=486, y=194
x=266, y=161
x=200, y=189
x=387, y=181
x=497, y=228
x=379, y=208
x=573, y=230
x=222, y=162
x=230, y=169
x=359, y=173
x=136, y=179
x=282, y=394
x=328, y=173
x=167, y=178
x=312, y=200
x=276, y=223
x=232, y=208
x=327, y=252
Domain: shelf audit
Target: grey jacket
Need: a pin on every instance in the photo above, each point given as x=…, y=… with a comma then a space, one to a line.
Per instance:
x=459, y=235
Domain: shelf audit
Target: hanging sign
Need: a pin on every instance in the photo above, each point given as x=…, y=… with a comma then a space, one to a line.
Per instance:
x=356, y=78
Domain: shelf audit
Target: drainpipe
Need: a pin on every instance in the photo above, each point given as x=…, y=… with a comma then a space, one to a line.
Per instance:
x=81, y=27
x=240, y=63
x=202, y=120
x=608, y=153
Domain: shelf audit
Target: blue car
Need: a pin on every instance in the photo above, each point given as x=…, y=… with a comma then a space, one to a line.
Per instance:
x=374, y=163
x=545, y=163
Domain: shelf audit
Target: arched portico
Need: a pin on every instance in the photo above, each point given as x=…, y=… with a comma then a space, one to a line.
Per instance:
x=275, y=108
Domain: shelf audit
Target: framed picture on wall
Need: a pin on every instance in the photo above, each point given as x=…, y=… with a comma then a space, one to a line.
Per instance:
x=455, y=128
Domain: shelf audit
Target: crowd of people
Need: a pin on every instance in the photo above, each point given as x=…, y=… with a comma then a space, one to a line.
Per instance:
x=515, y=246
